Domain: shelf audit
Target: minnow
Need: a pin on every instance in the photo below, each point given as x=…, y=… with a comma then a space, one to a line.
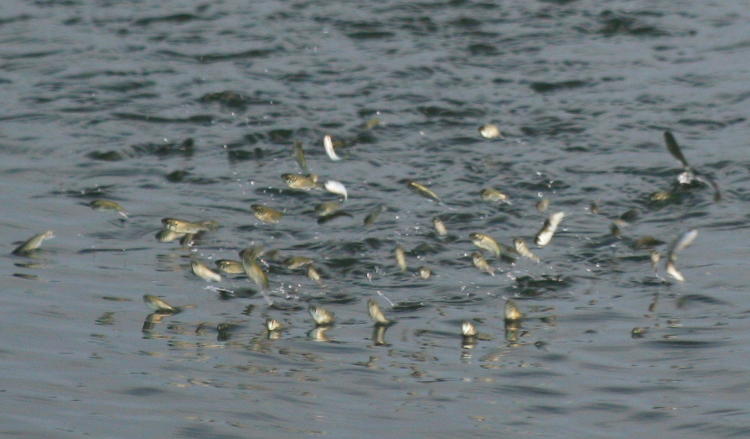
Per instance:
x=493, y=195
x=542, y=205
x=33, y=243
x=168, y=236
x=256, y=273
x=109, y=205
x=336, y=187
x=523, y=250
x=313, y=274
x=301, y=182
x=182, y=226
x=490, y=131
x=422, y=190
x=327, y=208
x=201, y=270
x=439, y=226
x=468, y=329
x=250, y=254
x=511, y=311
x=545, y=234
x=400, y=257
x=660, y=196
x=688, y=174
x=296, y=262
x=230, y=266
x=266, y=214
x=679, y=244
x=424, y=272
x=299, y=156
x=376, y=314
x=481, y=263
x=159, y=305
x=273, y=325
x=486, y=242
x=321, y=316
x=328, y=145
x=373, y=215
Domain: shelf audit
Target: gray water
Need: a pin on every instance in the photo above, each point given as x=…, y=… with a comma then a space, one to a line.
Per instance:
x=190, y=109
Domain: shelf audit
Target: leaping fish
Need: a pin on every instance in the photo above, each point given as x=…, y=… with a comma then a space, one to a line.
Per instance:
x=688, y=174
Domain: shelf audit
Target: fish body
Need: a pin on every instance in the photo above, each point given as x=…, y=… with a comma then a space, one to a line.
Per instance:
x=493, y=195
x=486, y=242
x=299, y=156
x=490, y=131
x=313, y=274
x=523, y=249
x=422, y=190
x=542, y=205
x=201, y=270
x=688, y=175
x=328, y=146
x=321, y=316
x=296, y=262
x=273, y=325
x=256, y=273
x=545, y=234
x=230, y=266
x=400, y=254
x=481, y=263
x=678, y=245
x=109, y=205
x=336, y=187
x=439, y=226
x=168, y=235
x=376, y=314
x=300, y=181
x=159, y=305
x=33, y=243
x=373, y=215
x=268, y=215
x=182, y=226
x=327, y=208
x=424, y=273
x=468, y=329
x=511, y=311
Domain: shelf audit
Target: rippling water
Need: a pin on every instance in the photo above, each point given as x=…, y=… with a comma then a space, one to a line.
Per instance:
x=190, y=110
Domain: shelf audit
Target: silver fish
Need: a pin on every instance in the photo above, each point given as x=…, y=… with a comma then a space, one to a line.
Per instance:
x=33, y=243
x=376, y=314
x=679, y=244
x=439, y=226
x=490, y=131
x=545, y=234
x=201, y=270
x=481, y=263
x=159, y=305
x=400, y=257
x=468, y=329
x=273, y=325
x=328, y=145
x=336, y=187
x=486, y=242
x=511, y=311
x=424, y=272
x=523, y=249
x=321, y=316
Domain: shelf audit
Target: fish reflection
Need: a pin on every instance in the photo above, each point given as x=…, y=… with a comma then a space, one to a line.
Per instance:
x=378, y=335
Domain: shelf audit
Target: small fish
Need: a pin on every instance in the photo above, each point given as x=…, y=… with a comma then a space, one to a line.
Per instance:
x=424, y=272
x=266, y=214
x=299, y=156
x=328, y=145
x=327, y=208
x=660, y=196
x=638, y=332
x=33, y=243
x=373, y=215
x=615, y=230
x=296, y=262
x=542, y=205
x=422, y=190
x=250, y=254
x=511, y=311
x=201, y=270
x=376, y=314
x=313, y=274
x=182, y=226
x=168, y=236
x=256, y=273
x=481, y=263
x=159, y=305
x=545, y=234
x=321, y=316
x=400, y=258
x=439, y=226
x=523, y=249
x=273, y=325
x=300, y=181
x=486, y=242
x=372, y=123
x=679, y=244
x=493, y=195
x=230, y=266
x=336, y=187
x=490, y=131
x=655, y=256
x=468, y=329
x=688, y=174
x=109, y=205
x=594, y=208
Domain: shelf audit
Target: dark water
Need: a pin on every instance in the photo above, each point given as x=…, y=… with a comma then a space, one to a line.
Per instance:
x=190, y=110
